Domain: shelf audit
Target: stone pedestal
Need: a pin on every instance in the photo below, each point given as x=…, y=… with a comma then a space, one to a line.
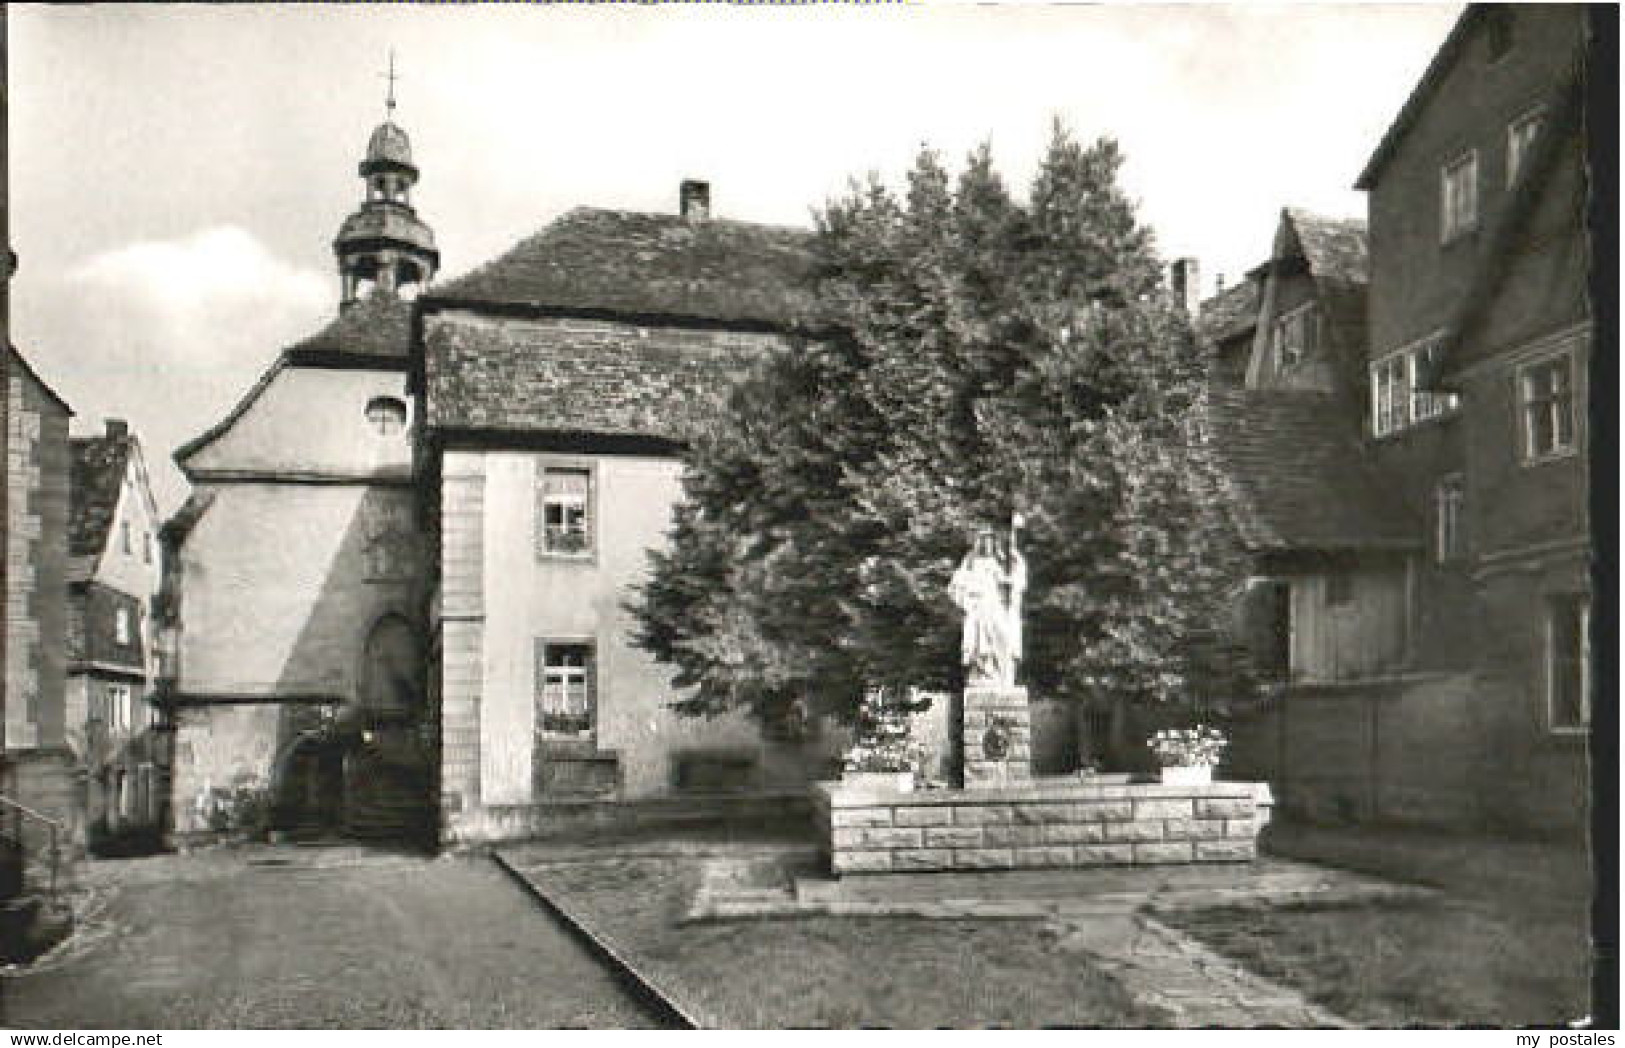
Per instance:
x=997, y=736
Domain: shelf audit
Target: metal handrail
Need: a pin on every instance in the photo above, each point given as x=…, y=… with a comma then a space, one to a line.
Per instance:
x=56, y=827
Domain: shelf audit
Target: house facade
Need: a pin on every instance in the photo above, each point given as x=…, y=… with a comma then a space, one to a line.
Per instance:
x=293, y=614
x=1491, y=268
x=1443, y=678
x=113, y=576
x=557, y=385
x=37, y=768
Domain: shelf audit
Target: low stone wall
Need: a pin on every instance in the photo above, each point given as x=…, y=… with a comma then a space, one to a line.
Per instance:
x=1061, y=823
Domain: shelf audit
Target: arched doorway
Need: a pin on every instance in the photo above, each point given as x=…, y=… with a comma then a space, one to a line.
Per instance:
x=308, y=788
x=387, y=770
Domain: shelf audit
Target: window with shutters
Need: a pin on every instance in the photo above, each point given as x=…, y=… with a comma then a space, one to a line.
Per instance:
x=565, y=511
x=566, y=686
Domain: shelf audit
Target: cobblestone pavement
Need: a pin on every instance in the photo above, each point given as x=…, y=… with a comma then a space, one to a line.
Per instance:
x=312, y=938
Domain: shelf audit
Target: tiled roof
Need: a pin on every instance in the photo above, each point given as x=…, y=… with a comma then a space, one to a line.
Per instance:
x=379, y=325
x=579, y=378
x=1298, y=478
x=632, y=263
x=99, y=465
x=1230, y=312
x=1335, y=248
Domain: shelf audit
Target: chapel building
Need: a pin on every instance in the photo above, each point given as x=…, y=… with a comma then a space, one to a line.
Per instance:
x=295, y=596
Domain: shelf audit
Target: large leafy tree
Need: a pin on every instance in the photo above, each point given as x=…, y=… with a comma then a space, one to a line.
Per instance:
x=981, y=357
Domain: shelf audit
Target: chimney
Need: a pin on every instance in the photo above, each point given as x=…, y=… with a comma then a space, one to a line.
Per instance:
x=1185, y=284
x=117, y=429
x=694, y=198
x=1218, y=283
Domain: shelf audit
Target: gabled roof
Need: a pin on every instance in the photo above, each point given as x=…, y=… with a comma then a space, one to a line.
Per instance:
x=601, y=262
x=1298, y=480
x=1334, y=248
x=96, y=482
x=1443, y=59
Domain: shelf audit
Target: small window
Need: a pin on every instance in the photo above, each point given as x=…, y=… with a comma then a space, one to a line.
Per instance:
x=1546, y=400
x=146, y=547
x=118, y=707
x=386, y=416
x=1568, y=663
x=1294, y=336
x=1449, y=541
x=565, y=699
x=566, y=511
x=121, y=625
x=1458, y=206
x=1521, y=135
x=124, y=537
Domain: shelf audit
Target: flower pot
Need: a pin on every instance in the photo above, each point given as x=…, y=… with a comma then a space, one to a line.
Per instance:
x=888, y=781
x=1187, y=774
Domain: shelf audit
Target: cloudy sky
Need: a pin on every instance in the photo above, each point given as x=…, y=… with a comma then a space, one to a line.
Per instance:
x=178, y=174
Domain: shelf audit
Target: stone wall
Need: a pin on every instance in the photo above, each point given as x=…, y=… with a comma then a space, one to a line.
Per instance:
x=36, y=552
x=1061, y=824
x=48, y=782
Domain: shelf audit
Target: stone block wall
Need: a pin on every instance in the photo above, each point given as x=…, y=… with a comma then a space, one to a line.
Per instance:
x=1065, y=824
x=36, y=552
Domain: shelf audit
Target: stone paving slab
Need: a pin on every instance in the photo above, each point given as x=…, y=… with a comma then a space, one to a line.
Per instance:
x=1191, y=985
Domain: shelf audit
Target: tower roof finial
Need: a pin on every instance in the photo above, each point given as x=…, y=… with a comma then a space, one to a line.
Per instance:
x=389, y=98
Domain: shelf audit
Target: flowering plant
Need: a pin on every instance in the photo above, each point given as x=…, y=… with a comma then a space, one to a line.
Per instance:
x=1188, y=747
x=883, y=742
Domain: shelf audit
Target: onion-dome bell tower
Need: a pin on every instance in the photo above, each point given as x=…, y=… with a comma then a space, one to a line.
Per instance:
x=383, y=245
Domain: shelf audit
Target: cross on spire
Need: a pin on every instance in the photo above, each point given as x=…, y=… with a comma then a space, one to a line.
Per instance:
x=392, y=76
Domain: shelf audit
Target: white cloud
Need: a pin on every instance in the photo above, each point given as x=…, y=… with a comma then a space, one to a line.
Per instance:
x=167, y=334
x=211, y=275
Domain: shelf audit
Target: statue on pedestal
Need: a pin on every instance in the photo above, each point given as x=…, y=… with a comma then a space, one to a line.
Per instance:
x=988, y=587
